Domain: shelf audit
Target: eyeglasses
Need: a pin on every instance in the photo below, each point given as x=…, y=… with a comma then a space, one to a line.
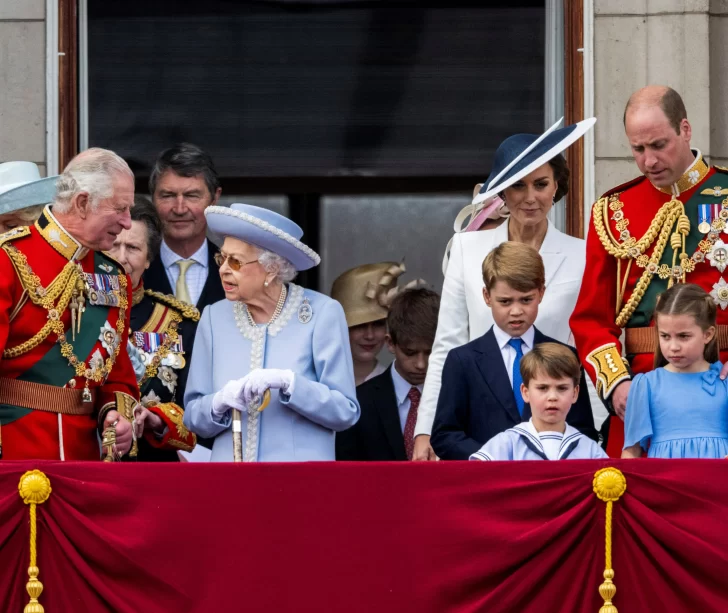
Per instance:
x=234, y=263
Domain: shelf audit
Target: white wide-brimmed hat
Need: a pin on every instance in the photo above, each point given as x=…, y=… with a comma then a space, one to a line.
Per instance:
x=264, y=229
x=21, y=186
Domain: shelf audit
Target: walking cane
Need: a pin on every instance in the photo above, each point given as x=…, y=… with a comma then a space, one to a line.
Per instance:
x=256, y=404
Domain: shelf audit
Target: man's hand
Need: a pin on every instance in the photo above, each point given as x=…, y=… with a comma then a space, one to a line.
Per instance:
x=123, y=432
x=423, y=451
x=619, y=398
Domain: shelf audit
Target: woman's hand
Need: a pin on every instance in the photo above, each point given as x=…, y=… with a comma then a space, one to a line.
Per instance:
x=261, y=379
x=145, y=419
x=229, y=397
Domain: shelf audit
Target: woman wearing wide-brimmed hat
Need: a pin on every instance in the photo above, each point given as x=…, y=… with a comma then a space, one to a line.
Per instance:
x=528, y=175
x=269, y=335
x=23, y=194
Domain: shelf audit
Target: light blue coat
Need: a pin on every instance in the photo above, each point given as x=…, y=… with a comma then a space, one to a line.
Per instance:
x=293, y=428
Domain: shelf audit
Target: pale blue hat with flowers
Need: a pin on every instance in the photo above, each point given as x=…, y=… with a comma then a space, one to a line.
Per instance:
x=21, y=186
x=265, y=229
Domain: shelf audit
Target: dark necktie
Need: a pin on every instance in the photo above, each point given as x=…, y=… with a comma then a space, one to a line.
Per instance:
x=414, y=396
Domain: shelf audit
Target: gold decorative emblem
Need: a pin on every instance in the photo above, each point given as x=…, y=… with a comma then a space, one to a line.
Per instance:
x=609, y=484
x=609, y=367
x=716, y=192
x=34, y=487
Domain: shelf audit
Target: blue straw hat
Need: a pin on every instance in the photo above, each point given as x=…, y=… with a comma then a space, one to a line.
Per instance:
x=264, y=229
x=21, y=186
x=521, y=154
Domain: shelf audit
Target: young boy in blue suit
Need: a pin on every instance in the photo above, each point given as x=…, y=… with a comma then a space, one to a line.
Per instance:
x=481, y=381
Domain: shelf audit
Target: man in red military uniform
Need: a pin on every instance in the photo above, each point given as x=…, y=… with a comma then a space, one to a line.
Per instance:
x=662, y=228
x=64, y=319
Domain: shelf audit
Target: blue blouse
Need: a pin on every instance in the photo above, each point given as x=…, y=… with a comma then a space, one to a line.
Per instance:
x=314, y=345
x=680, y=415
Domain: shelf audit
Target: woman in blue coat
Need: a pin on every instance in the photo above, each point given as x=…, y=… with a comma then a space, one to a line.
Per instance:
x=269, y=334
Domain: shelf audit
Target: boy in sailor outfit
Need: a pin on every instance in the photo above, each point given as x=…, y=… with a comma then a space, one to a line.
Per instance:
x=551, y=375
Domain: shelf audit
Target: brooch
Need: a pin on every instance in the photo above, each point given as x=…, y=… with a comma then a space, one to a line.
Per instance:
x=305, y=312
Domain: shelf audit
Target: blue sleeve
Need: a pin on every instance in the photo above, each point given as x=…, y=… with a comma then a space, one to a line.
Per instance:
x=638, y=421
x=449, y=439
x=500, y=447
x=198, y=394
x=329, y=401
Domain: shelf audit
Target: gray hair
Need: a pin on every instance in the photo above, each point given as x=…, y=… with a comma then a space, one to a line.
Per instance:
x=274, y=263
x=92, y=172
x=30, y=214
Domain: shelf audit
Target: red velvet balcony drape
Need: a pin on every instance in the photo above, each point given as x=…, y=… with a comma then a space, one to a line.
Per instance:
x=367, y=538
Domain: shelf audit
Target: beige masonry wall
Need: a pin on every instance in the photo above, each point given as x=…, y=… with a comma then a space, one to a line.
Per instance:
x=680, y=43
x=22, y=81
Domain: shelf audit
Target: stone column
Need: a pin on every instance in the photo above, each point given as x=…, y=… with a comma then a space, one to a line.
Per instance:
x=22, y=81
x=669, y=42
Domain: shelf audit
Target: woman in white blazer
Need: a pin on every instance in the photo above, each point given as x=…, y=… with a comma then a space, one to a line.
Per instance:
x=529, y=174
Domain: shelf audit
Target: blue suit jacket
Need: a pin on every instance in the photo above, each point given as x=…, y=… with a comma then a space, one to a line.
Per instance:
x=476, y=399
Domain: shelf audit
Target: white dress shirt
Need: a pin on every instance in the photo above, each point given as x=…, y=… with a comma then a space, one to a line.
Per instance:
x=401, y=391
x=196, y=276
x=508, y=352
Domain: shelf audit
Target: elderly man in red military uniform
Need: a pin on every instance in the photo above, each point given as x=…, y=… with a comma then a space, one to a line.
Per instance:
x=667, y=226
x=64, y=319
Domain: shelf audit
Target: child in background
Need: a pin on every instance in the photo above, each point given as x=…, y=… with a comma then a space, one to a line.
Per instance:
x=551, y=376
x=680, y=409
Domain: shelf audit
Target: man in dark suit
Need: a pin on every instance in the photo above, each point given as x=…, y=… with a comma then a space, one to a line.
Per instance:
x=480, y=395
x=389, y=402
x=183, y=184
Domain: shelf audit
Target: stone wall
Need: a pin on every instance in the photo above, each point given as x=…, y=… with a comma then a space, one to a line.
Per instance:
x=22, y=81
x=680, y=43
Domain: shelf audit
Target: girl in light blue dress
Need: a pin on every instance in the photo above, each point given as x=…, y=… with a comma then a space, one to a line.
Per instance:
x=680, y=409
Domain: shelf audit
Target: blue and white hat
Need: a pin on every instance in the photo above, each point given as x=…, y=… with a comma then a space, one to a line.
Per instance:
x=521, y=154
x=21, y=186
x=264, y=229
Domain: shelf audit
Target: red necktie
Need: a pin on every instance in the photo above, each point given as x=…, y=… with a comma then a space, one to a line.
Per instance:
x=409, y=426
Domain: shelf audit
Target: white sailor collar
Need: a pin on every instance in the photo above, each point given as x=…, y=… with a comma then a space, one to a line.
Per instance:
x=528, y=433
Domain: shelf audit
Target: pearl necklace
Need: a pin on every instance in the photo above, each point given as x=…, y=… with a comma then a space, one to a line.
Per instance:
x=276, y=312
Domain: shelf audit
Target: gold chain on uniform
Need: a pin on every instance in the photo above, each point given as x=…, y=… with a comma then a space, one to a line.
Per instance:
x=171, y=336
x=45, y=297
x=670, y=214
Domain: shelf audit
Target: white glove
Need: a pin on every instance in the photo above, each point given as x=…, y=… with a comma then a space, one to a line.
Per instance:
x=261, y=379
x=229, y=397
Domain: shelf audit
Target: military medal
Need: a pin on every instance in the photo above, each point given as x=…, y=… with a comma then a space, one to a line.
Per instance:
x=720, y=293
x=305, y=312
x=704, y=218
x=718, y=255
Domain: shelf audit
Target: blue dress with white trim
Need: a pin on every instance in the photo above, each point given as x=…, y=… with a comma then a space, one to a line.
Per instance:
x=312, y=342
x=679, y=415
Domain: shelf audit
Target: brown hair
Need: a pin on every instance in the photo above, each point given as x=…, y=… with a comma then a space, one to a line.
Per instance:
x=688, y=299
x=561, y=176
x=413, y=316
x=671, y=104
x=516, y=264
x=552, y=359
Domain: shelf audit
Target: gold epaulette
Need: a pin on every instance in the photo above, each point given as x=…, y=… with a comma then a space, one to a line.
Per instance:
x=186, y=310
x=13, y=234
x=624, y=186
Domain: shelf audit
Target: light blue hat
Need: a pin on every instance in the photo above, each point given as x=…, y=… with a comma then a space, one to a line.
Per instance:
x=264, y=229
x=21, y=186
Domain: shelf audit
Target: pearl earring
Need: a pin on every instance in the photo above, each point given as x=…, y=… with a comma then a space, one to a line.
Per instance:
x=266, y=284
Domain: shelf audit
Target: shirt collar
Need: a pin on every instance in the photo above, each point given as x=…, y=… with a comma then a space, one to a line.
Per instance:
x=170, y=258
x=503, y=337
x=401, y=387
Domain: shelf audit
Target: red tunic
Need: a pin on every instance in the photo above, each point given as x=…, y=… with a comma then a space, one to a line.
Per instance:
x=596, y=322
x=32, y=434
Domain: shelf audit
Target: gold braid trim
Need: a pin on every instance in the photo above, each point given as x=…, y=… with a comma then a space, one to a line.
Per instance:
x=187, y=310
x=609, y=368
x=669, y=214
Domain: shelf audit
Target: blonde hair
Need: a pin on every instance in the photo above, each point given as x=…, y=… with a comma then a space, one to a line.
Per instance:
x=517, y=265
x=688, y=299
x=552, y=359
x=92, y=172
x=30, y=214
